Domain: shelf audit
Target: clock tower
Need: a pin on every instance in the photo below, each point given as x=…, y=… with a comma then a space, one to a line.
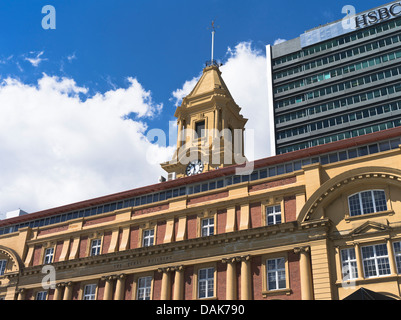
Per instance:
x=210, y=128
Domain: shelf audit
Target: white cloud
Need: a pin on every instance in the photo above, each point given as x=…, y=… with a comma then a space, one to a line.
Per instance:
x=186, y=89
x=36, y=59
x=278, y=41
x=244, y=73
x=57, y=148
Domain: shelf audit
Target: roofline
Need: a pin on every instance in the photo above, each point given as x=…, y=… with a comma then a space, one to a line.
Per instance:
x=291, y=156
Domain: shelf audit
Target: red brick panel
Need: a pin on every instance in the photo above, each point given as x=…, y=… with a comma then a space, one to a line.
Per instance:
x=160, y=232
x=256, y=214
x=76, y=287
x=209, y=197
x=157, y=285
x=295, y=275
x=36, y=256
x=99, y=220
x=272, y=184
x=256, y=273
x=59, y=248
x=221, y=280
x=290, y=209
x=150, y=210
x=188, y=285
x=52, y=230
x=134, y=237
x=82, y=247
x=191, y=227
x=221, y=221
x=129, y=281
x=106, y=242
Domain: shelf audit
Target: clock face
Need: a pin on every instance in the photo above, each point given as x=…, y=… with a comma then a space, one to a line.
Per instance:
x=194, y=167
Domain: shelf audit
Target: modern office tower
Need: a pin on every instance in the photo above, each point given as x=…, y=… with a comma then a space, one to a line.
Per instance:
x=337, y=81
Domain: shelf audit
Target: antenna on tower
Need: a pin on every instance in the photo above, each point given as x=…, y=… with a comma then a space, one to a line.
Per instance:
x=212, y=61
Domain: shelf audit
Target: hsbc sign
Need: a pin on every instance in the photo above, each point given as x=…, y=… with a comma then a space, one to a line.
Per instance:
x=372, y=17
x=351, y=23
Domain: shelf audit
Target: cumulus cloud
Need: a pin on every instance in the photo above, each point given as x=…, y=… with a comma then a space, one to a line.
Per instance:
x=244, y=73
x=186, y=89
x=57, y=147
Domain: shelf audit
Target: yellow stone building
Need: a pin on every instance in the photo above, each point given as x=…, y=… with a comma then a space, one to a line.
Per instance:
x=316, y=224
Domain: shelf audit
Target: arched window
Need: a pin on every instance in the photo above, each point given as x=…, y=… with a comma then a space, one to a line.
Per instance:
x=367, y=202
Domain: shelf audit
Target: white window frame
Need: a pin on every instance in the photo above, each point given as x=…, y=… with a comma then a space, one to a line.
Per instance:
x=359, y=194
x=349, y=266
x=48, y=256
x=3, y=265
x=276, y=272
x=89, y=292
x=207, y=229
x=96, y=245
x=148, y=239
x=375, y=259
x=144, y=289
x=41, y=295
x=275, y=214
x=206, y=282
x=397, y=255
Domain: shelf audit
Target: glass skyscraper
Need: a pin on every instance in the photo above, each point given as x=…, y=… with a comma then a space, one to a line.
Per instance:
x=336, y=81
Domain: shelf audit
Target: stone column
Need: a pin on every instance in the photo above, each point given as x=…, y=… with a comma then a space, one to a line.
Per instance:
x=58, y=291
x=306, y=273
x=166, y=283
x=120, y=287
x=246, y=278
x=178, y=293
x=358, y=261
x=108, y=287
x=68, y=291
x=231, y=278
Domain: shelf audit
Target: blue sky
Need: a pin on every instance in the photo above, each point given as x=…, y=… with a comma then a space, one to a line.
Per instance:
x=64, y=92
x=160, y=42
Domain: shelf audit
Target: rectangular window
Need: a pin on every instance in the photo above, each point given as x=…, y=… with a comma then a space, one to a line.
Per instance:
x=375, y=261
x=95, y=247
x=206, y=283
x=276, y=274
x=200, y=129
x=349, y=266
x=397, y=254
x=144, y=288
x=89, y=292
x=148, y=238
x=273, y=215
x=48, y=256
x=207, y=227
x=3, y=264
x=42, y=295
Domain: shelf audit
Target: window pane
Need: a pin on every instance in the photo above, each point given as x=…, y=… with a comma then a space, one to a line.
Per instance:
x=367, y=202
x=380, y=200
x=354, y=205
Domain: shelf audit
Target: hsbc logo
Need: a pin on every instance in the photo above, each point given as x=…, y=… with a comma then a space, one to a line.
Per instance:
x=373, y=17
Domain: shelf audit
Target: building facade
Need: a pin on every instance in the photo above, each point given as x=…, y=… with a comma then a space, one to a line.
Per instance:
x=337, y=81
x=314, y=224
